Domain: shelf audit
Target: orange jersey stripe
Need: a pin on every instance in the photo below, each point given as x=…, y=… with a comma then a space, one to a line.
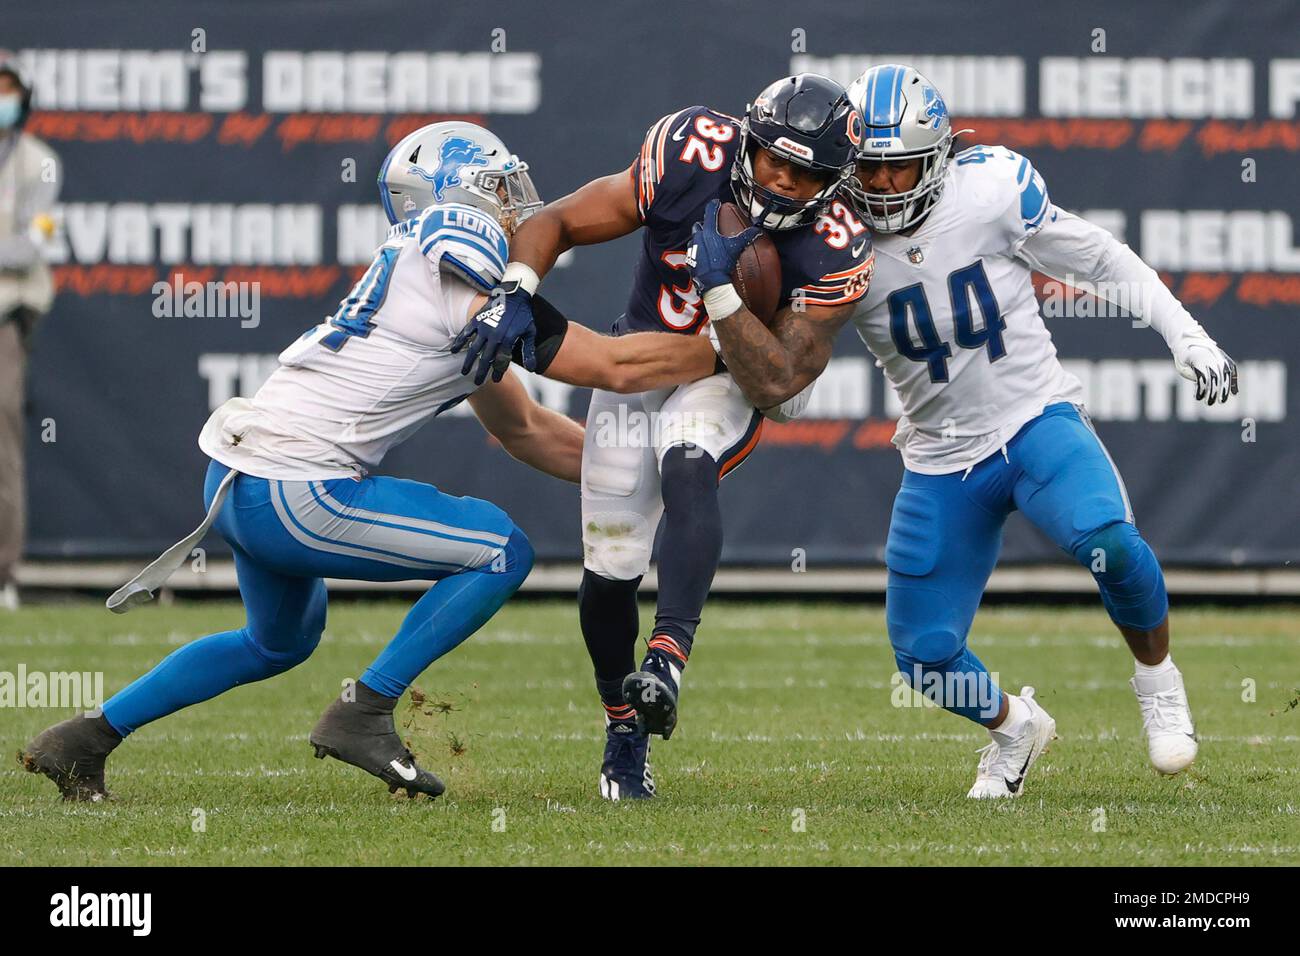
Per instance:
x=741, y=455
x=862, y=266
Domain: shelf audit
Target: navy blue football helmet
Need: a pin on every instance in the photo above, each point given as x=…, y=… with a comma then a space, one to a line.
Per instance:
x=808, y=120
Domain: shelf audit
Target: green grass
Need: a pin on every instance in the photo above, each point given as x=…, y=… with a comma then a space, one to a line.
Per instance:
x=786, y=708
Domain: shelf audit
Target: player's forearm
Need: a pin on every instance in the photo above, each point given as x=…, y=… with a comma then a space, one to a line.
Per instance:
x=647, y=360
x=1072, y=248
x=760, y=363
x=540, y=241
x=552, y=443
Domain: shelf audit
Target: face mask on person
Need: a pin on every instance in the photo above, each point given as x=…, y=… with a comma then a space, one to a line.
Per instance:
x=11, y=108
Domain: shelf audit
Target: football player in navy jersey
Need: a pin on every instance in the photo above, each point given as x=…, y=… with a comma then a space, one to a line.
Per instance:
x=662, y=453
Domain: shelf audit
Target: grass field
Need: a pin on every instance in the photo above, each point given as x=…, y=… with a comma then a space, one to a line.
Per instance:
x=786, y=717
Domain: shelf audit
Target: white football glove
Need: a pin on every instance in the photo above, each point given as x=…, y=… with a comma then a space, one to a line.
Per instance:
x=1198, y=359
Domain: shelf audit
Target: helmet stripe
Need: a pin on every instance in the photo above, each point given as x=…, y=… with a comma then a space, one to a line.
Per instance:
x=896, y=108
x=884, y=101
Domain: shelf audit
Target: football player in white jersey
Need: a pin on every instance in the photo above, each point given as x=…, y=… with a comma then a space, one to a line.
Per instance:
x=991, y=421
x=289, y=484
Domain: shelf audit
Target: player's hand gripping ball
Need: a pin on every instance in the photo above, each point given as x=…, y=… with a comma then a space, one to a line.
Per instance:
x=711, y=256
x=755, y=270
x=505, y=320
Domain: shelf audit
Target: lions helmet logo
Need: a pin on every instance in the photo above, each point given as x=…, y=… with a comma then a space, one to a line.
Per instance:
x=933, y=109
x=455, y=154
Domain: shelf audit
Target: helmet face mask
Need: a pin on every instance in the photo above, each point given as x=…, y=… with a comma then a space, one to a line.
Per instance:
x=805, y=120
x=456, y=162
x=894, y=212
x=904, y=118
x=510, y=194
x=771, y=209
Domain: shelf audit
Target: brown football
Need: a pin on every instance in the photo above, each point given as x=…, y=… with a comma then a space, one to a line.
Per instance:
x=757, y=276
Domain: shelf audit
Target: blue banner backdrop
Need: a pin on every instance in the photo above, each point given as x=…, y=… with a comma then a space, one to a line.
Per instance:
x=239, y=141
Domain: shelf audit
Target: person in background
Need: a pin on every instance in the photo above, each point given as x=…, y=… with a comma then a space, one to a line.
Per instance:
x=29, y=185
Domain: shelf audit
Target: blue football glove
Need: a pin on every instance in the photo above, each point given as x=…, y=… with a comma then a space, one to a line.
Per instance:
x=504, y=321
x=711, y=256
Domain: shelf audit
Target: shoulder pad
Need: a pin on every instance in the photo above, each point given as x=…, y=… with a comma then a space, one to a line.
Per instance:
x=841, y=263
x=668, y=161
x=465, y=240
x=1000, y=183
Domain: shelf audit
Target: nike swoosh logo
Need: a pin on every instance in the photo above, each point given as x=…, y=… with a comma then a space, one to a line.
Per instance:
x=403, y=771
x=681, y=130
x=1014, y=785
x=857, y=250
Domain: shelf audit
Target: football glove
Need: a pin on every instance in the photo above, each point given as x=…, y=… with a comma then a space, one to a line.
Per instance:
x=711, y=256
x=505, y=319
x=1198, y=359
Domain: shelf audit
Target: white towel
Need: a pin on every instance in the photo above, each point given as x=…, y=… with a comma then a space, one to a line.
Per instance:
x=140, y=589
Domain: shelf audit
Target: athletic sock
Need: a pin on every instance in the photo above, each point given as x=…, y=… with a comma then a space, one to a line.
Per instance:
x=1154, y=678
x=607, y=613
x=666, y=644
x=1018, y=713
x=691, y=544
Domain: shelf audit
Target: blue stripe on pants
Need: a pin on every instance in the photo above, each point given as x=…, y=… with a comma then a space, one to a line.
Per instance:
x=376, y=529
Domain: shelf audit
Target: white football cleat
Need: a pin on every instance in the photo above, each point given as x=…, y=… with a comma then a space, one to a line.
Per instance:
x=1167, y=720
x=1003, y=767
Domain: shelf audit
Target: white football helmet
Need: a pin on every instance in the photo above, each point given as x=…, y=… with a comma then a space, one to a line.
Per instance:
x=904, y=118
x=457, y=162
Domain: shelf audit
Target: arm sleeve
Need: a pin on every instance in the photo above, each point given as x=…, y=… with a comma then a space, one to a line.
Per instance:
x=551, y=329
x=1069, y=248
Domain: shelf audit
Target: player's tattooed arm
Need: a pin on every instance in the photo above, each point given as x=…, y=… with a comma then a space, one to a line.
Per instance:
x=771, y=366
x=602, y=210
x=529, y=432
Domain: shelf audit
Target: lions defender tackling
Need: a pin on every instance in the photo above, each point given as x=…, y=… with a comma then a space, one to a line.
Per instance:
x=991, y=421
x=782, y=164
x=289, y=484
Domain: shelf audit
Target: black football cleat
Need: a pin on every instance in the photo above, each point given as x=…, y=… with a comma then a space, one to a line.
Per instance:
x=362, y=732
x=72, y=754
x=625, y=771
x=652, y=693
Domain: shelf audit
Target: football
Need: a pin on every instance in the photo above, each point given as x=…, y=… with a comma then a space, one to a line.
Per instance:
x=757, y=276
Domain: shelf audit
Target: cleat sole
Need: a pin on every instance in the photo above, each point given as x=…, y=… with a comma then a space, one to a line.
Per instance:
x=654, y=702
